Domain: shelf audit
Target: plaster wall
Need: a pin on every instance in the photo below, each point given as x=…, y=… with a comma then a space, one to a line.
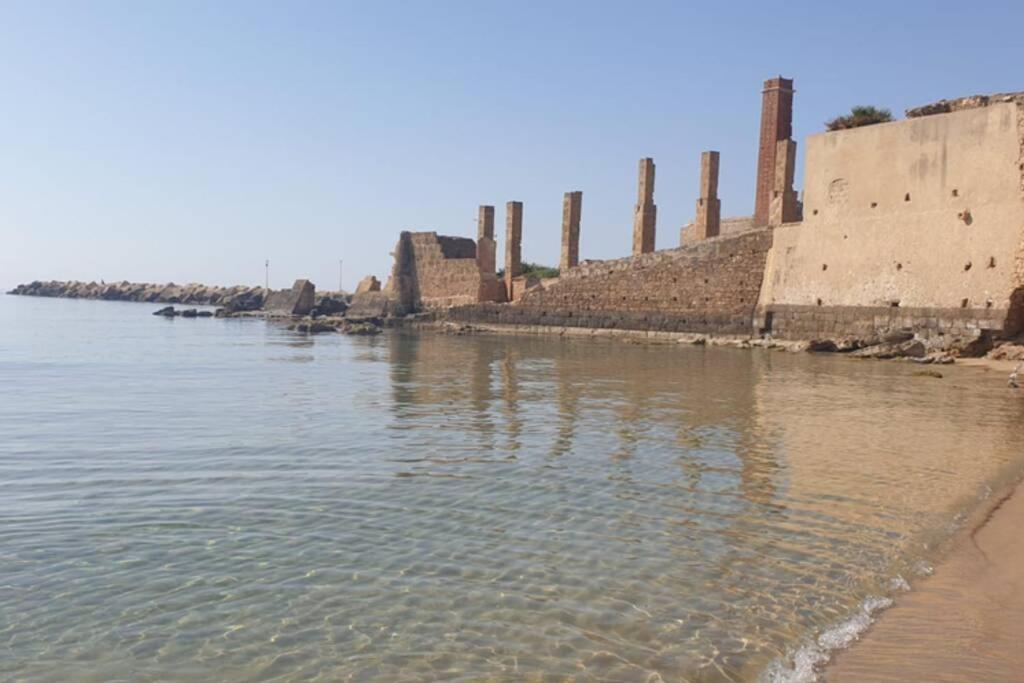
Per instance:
x=926, y=213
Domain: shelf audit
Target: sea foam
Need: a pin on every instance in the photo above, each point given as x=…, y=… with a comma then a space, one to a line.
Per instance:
x=804, y=664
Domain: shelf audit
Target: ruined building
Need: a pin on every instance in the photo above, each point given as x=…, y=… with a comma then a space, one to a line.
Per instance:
x=911, y=225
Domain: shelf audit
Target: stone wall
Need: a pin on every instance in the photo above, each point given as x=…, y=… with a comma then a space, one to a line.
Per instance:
x=916, y=224
x=437, y=271
x=710, y=287
x=688, y=234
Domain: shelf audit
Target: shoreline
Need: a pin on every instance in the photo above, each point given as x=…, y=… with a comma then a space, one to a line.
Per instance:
x=963, y=622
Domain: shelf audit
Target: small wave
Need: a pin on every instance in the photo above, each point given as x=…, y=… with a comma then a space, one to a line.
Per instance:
x=804, y=664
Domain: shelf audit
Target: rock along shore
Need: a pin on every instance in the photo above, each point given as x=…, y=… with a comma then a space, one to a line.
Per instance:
x=239, y=297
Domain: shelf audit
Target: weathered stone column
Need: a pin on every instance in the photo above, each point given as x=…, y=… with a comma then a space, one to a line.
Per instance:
x=709, y=208
x=784, y=207
x=486, y=247
x=646, y=213
x=776, y=125
x=513, y=244
x=572, y=207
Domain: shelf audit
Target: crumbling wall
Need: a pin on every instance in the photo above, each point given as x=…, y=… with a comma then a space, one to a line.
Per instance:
x=437, y=271
x=708, y=287
x=924, y=217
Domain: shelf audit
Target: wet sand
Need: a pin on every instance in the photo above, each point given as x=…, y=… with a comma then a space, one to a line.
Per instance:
x=964, y=623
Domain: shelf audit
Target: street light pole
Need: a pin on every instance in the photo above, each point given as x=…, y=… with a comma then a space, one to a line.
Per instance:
x=266, y=280
x=340, y=271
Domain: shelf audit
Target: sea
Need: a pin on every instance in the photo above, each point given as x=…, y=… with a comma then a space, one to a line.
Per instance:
x=227, y=500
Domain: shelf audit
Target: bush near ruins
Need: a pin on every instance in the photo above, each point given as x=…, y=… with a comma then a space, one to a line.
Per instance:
x=859, y=116
x=534, y=269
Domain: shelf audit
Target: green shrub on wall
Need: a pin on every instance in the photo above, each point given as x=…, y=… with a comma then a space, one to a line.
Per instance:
x=536, y=270
x=859, y=116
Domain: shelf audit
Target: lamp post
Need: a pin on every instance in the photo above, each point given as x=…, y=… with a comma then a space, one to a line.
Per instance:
x=340, y=271
x=266, y=275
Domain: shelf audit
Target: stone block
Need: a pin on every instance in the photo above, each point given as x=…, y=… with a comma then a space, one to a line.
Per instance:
x=370, y=283
x=299, y=300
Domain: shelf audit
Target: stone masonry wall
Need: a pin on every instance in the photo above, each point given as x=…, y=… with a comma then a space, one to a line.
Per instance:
x=711, y=287
x=437, y=271
x=915, y=224
x=445, y=270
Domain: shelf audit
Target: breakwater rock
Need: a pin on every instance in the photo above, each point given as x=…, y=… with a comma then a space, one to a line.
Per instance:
x=238, y=298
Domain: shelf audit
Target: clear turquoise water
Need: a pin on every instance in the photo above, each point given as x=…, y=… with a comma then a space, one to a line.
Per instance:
x=199, y=500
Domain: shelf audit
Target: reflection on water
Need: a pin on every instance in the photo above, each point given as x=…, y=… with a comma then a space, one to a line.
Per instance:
x=226, y=500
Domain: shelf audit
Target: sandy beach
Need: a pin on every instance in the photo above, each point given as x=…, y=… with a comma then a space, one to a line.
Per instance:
x=964, y=623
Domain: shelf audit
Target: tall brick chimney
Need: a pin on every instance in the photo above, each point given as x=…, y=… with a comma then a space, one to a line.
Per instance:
x=776, y=125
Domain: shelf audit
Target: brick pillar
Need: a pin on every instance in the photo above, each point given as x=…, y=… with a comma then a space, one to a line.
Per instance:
x=513, y=244
x=646, y=213
x=572, y=207
x=485, y=223
x=486, y=247
x=784, y=206
x=709, y=208
x=776, y=125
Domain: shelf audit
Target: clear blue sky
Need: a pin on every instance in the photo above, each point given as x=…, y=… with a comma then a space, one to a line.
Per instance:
x=188, y=141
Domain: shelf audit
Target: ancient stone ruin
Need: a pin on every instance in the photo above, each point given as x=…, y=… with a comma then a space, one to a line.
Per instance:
x=909, y=230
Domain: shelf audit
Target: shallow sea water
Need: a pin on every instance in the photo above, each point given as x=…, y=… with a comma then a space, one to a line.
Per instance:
x=197, y=500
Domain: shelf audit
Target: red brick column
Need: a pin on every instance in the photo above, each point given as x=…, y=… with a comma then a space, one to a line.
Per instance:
x=776, y=125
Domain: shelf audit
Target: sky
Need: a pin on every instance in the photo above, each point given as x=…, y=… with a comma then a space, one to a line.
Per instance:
x=189, y=141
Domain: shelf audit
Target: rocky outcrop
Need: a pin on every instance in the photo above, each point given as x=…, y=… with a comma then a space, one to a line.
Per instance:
x=238, y=298
x=335, y=324
x=330, y=303
x=371, y=305
x=171, y=312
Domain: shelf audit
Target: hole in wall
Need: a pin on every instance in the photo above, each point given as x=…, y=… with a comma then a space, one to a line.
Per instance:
x=955, y=192
x=895, y=303
x=819, y=302
x=874, y=205
x=967, y=266
x=906, y=197
x=814, y=213
x=824, y=266
x=988, y=304
x=899, y=266
x=966, y=216
x=991, y=261
x=963, y=303
x=845, y=236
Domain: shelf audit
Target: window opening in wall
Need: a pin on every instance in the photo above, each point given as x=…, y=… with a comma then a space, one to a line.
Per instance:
x=963, y=303
x=991, y=261
x=906, y=197
x=956, y=192
x=874, y=205
x=824, y=266
x=899, y=266
x=967, y=266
